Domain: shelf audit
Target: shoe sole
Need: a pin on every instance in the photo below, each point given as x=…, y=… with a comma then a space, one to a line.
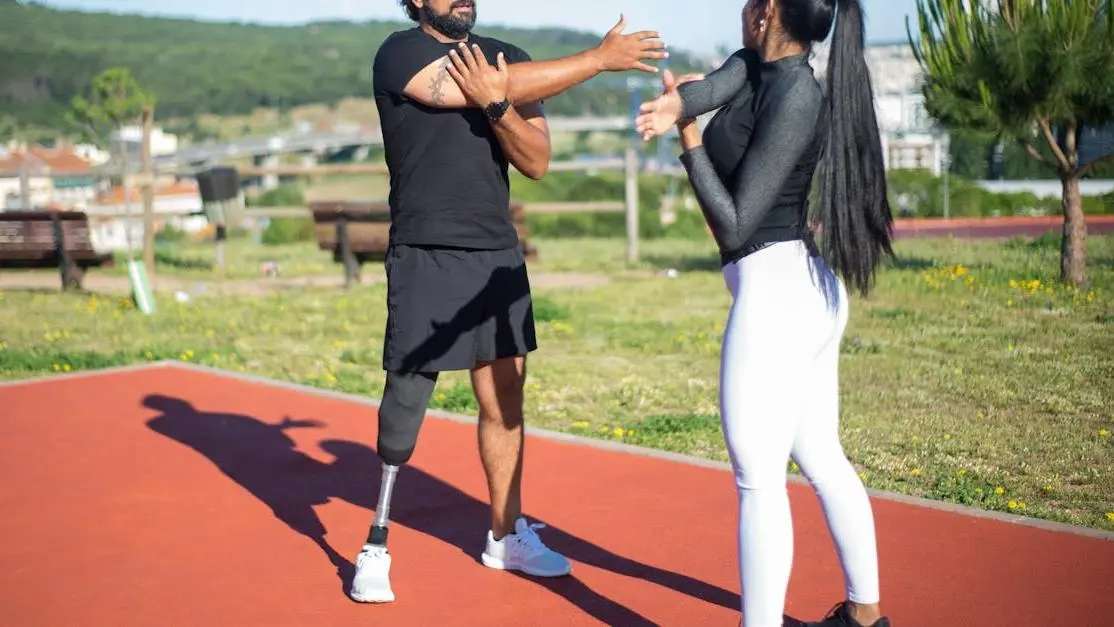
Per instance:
x=498, y=564
x=375, y=599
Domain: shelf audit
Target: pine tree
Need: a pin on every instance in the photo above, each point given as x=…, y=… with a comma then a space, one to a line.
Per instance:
x=1034, y=71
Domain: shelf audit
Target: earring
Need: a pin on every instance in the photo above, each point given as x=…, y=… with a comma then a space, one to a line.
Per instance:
x=762, y=27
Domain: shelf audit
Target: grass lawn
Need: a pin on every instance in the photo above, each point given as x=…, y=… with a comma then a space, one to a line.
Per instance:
x=970, y=376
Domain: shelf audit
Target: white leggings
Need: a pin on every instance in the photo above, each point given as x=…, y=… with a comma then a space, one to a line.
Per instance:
x=779, y=397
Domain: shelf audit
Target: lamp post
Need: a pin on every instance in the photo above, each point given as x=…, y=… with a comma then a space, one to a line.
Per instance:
x=942, y=139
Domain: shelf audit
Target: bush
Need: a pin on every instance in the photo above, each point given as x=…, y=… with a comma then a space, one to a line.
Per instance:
x=171, y=234
x=917, y=193
x=287, y=231
x=281, y=196
x=609, y=186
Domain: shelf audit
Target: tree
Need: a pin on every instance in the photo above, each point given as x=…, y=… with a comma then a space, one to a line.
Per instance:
x=116, y=100
x=1035, y=72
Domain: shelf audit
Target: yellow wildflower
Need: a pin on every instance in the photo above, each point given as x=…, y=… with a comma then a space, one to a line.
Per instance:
x=999, y=490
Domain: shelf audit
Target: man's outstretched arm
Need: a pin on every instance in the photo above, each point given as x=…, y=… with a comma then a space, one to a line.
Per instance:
x=534, y=81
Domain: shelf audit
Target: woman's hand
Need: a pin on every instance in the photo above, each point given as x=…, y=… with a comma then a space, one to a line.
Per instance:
x=657, y=115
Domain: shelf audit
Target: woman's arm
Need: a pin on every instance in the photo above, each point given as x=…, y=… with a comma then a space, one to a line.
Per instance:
x=695, y=97
x=781, y=136
x=718, y=87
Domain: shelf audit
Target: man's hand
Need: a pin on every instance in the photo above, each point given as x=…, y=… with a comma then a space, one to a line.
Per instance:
x=478, y=80
x=618, y=52
x=657, y=115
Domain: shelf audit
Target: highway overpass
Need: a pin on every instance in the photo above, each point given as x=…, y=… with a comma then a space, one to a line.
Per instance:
x=330, y=142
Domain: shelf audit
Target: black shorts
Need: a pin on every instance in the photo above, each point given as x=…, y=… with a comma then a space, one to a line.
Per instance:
x=451, y=309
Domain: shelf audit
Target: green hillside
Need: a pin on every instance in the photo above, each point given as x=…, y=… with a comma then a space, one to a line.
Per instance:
x=47, y=56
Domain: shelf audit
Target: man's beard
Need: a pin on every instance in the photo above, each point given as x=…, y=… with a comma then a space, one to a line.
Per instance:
x=451, y=25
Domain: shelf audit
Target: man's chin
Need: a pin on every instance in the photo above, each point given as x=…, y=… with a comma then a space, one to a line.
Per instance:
x=455, y=28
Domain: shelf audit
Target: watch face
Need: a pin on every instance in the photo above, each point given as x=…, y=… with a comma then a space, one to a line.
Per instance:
x=497, y=109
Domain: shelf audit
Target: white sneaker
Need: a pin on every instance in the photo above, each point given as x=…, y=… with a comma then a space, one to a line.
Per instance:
x=524, y=551
x=372, y=583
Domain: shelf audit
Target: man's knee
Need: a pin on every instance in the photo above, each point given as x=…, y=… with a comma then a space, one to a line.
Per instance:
x=401, y=413
x=499, y=388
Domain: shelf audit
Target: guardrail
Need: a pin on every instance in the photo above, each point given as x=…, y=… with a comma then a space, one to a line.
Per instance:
x=254, y=213
x=602, y=206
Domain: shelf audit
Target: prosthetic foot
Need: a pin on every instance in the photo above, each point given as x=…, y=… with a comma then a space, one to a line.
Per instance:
x=372, y=582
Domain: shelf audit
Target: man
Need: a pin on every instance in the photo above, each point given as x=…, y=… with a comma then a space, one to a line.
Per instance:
x=456, y=110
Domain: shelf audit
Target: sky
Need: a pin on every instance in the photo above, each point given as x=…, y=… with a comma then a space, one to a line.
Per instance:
x=695, y=25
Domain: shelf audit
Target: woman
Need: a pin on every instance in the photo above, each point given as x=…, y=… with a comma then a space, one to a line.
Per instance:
x=779, y=371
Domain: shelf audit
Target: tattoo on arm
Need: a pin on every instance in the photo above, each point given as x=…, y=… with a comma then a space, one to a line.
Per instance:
x=437, y=83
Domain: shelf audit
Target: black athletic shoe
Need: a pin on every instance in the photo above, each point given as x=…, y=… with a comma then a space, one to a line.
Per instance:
x=840, y=616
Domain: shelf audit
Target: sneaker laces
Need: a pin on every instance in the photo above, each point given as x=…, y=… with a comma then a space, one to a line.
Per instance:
x=841, y=613
x=371, y=552
x=836, y=611
x=530, y=540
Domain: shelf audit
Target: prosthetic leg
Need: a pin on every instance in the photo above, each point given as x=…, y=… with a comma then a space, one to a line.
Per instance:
x=401, y=413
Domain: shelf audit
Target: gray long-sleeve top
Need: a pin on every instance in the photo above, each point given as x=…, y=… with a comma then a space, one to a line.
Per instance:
x=753, y=173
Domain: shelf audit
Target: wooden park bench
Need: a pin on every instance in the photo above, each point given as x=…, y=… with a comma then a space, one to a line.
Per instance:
x=358, y=232
x=50, y=239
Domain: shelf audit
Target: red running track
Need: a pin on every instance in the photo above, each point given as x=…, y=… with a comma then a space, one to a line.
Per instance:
x=171, y=496
x=995, y=227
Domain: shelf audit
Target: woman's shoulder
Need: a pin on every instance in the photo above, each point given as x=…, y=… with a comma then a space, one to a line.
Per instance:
x=799, y=85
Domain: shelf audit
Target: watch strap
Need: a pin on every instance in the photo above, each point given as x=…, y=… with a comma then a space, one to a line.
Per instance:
x=497, y=110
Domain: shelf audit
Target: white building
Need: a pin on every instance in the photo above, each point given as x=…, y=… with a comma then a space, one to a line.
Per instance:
x=54, y=177
x=116, y=220
x=910, y=138
x=92, y=154
x=162, y=143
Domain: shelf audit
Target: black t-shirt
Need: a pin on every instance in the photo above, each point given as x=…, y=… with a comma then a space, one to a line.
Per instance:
x=448, y=173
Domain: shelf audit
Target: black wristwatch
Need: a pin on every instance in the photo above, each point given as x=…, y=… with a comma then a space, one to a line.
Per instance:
x=496, y=110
